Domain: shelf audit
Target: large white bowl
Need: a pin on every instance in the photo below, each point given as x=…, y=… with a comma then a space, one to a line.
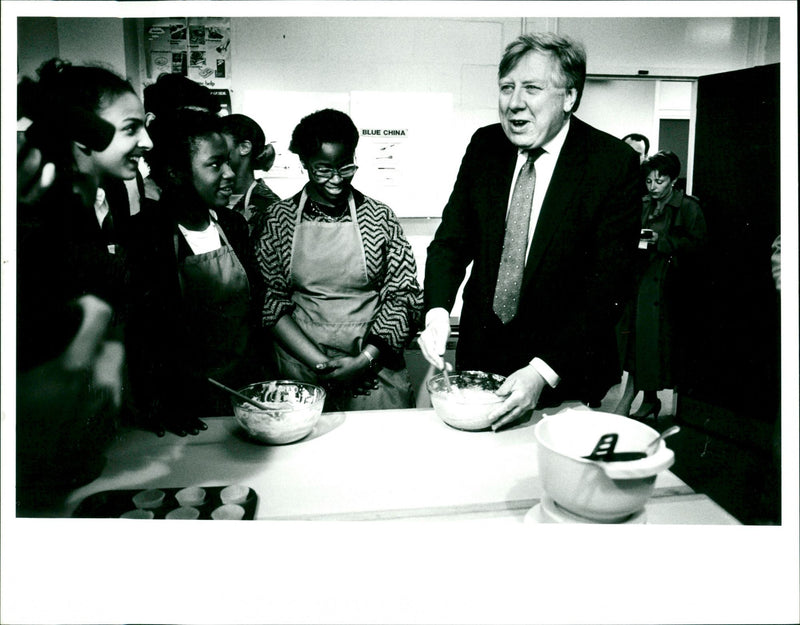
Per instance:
x=294, y=409
x=602, y=491
x=470, y=402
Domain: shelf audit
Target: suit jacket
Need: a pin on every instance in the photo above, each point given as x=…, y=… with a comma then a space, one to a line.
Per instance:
x=579, y=269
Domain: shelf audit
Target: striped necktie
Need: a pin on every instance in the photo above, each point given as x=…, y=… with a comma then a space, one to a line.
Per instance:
x=515, y=243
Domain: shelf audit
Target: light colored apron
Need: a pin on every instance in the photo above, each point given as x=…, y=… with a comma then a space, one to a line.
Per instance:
x=247, y=211
x=216, y=303
x=335, y=307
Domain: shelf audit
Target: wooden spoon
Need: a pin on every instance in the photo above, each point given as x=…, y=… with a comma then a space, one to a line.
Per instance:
x=249, y=400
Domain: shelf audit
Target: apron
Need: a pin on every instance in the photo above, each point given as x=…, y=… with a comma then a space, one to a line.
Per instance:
x=216, y=306
x=247, y=212
x=335, y=307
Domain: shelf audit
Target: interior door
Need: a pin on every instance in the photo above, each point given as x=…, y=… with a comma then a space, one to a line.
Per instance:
x=733, y=358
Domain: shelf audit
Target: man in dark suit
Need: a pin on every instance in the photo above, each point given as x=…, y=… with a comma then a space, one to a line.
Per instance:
x=551, y=332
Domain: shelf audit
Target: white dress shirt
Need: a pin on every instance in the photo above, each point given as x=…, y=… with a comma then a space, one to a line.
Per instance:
x=101, y=208
x=544, y=165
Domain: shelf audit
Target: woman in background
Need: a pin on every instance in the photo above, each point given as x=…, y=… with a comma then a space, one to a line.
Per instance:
x=191, y=317
x=341, y=291
x=673, y=227
x=249, y=152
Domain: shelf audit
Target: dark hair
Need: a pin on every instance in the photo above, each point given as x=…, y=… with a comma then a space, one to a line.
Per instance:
x=635, y=136
x=664, y=162
x=175, y=136
x=243, y=128
x=325, y=126
x=171, y=92
x=570, y=55
x=65, y=106
x=89, y=87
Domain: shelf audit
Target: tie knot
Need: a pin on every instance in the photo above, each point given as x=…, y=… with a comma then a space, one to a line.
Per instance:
x=534, y=154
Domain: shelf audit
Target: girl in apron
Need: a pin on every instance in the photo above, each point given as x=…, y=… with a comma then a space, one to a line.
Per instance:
x=342, y=297
x=249, y=151
x=204, y=310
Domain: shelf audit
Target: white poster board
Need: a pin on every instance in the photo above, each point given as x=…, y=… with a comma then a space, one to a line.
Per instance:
x=400, y=155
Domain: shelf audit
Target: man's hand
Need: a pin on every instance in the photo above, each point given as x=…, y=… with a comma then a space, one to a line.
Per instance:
x=433, y=339
x=522, y=390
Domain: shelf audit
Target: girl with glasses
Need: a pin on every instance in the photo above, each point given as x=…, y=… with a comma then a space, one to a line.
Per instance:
x=341, y=292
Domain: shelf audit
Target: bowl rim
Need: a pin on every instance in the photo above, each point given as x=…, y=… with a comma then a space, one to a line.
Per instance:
x=456, y=373
x=319, y=391
x=663, y=458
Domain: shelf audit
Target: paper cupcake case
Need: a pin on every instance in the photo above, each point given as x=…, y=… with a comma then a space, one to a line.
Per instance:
x=115, y=503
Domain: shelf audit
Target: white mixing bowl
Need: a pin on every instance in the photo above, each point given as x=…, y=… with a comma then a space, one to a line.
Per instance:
x=470, y=400
x=607, y=492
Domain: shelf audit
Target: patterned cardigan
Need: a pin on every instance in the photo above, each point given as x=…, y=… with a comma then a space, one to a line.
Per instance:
x=391, y=270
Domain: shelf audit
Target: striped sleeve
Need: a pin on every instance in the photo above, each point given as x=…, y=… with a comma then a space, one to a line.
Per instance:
x=272, y=250
x=393, y=271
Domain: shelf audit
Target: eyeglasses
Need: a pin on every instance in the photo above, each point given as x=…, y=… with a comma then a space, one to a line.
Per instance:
x=321, y=174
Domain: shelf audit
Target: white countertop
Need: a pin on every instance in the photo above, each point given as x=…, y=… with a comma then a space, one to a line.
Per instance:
x=370, y=465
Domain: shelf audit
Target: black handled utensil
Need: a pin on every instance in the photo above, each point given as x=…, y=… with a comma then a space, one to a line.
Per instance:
x=604, y=451
x=605, y=445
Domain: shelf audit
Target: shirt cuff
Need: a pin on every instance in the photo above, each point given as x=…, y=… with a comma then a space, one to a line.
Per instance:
x=437, y=315
x=550, y=376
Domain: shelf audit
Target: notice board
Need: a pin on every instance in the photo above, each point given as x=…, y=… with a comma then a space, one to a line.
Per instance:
x=196, y=47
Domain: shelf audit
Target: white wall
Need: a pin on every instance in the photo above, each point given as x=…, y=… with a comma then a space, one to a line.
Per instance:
x=619, y=106
x=433, y=78
x=83, y=40
x=672, y=46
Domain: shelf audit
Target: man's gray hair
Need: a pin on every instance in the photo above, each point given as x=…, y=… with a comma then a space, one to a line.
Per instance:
x=570, y=54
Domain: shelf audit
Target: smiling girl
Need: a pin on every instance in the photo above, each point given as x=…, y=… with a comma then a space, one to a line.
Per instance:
x=191, y=317
x=103, y=109
x=341, y=293
x=88, y=124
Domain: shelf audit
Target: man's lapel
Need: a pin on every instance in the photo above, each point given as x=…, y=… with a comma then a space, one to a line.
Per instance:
x=567, y=176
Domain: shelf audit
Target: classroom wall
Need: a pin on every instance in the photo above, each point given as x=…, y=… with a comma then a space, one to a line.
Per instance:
x=93, y=41
x=434, y=78
x=674, y=46
x=37, y=41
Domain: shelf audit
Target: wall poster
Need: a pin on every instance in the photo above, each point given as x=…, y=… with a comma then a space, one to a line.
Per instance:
x=196, y=47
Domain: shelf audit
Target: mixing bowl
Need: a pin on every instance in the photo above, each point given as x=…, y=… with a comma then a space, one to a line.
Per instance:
x=470, y=400
x=293, y=410
x=607, y=492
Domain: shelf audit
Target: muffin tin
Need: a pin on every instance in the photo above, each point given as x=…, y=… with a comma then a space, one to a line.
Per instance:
x=116, y=503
